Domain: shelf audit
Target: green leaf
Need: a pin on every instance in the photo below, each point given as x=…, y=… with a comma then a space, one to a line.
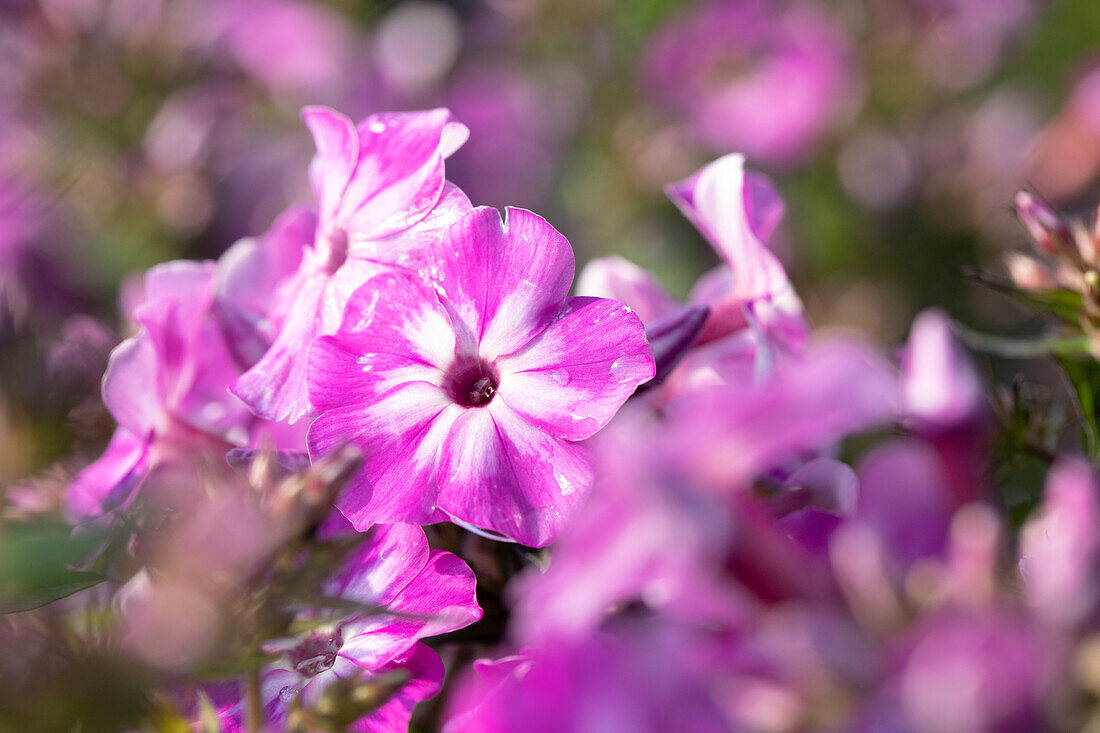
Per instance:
x=49, y=589
x=1022, y=348
x=1067, y=305
x=36, y=563
x=1084, y=375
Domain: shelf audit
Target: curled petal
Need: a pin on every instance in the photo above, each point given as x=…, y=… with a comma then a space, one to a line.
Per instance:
x=723, y=205
x=384, y=175
x=110, y=480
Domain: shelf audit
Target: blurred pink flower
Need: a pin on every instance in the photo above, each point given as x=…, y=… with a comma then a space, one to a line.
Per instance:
x=752, y=309
x=166, y=387
x=299, y=49
x=761, y=77
x=637, y=677
x=1060, y=547
x=940, y=385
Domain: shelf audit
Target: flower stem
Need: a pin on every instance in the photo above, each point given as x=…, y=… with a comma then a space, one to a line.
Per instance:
x=255, y=705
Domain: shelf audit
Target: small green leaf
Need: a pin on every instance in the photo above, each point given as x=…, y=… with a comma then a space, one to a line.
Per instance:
x=36, y=563
x=1066, y=305
x=29, y=596
x=1022, y=348
x=1084, y=375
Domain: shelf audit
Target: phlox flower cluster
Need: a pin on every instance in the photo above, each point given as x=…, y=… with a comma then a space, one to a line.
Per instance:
x=393, y=318
x=381, y=446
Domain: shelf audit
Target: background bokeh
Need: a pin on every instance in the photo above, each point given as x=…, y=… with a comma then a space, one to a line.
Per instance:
x=135, y=131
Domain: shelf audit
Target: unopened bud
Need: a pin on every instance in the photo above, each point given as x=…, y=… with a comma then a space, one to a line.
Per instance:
x=1092, y=281
x=1028, y=273
x=671, y=337
x=1044, y=226
x=1084, y=241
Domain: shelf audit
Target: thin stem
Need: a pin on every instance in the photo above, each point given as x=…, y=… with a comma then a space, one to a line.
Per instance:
x=255, y=704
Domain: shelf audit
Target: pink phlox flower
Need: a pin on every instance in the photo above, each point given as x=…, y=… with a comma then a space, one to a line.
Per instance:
x=429, y=592
x=737, y=212
x=647, y=537
x=468, y=393
x=730, y=433
x=768, y=78
x=166, y=386
x=941, y=386
x=640, y=677
x=381, y=196
x=754, y=315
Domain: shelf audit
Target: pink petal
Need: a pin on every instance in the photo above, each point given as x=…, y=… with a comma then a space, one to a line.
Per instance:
x=406, y=249
x=1060, y=547
x=572, y=378
x=275, y=387
x=764, y=207
x=735, y=431
x=251, y=271
x=400, y=174
x=110, y=480
x=940, y=385
x=506, y=280
x=251, y=276
x=500, y=473
x=718, y=202
x=131, y=389
x=443, y=593
x=440, y=598
x=337, y=154
x=179, y=280
x=619, y=279
x=426, y=680
x=394, y=331
x=340, y=287
x=400, y=437
x=387, y=561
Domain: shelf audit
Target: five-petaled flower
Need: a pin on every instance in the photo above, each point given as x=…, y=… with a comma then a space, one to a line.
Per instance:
x=468, y=388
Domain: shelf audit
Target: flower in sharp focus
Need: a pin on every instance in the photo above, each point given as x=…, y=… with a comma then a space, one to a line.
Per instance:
x=380, y=192
x=468, y=398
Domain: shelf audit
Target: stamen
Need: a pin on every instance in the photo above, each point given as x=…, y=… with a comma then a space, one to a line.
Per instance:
x=472, y=383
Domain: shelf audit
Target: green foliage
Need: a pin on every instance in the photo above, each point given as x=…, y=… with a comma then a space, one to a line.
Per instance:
x=36, y=563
